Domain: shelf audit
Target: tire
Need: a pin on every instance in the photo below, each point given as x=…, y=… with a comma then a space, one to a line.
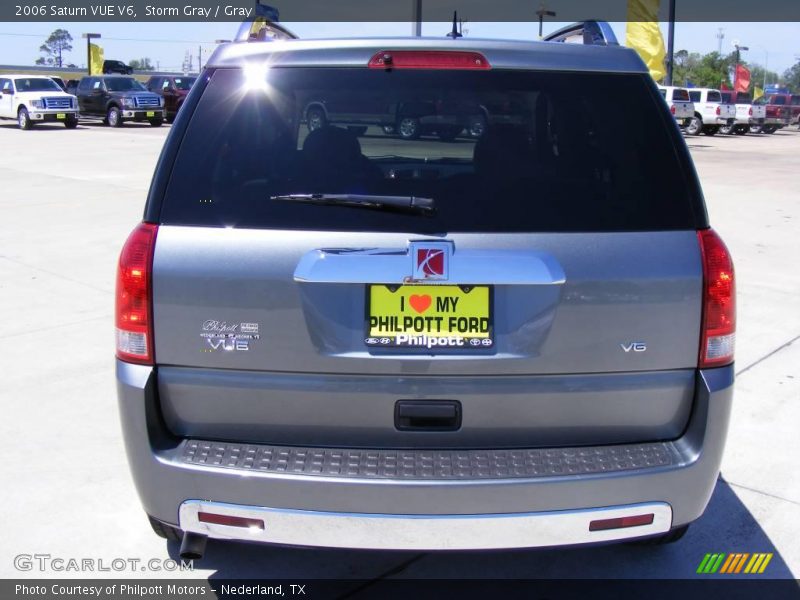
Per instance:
x=162, y=530
x=694, y=126
x=770, y=129
x=357, y=130
x=741, y=130
x=315, y=118
x=408, y=128
x=670, y=537
x=156, y=122
x=476, y=127
x=171, y=118
x=114, y=117
x=24, y=119
x=711, y=130
x=388, y=129
x=71, y=123
x=727, y=129
x=756, y=128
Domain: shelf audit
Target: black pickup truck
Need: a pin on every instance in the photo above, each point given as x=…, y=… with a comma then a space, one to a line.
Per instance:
x=117, y=98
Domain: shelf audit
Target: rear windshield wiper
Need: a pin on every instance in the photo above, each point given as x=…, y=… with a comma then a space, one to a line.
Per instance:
x=414, y=204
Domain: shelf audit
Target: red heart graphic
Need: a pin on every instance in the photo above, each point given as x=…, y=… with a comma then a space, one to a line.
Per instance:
x=419, y=303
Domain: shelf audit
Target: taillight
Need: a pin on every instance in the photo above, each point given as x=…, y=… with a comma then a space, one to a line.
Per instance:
x=672, y=109
x=719, y=302
x=750, y=112
x=719, y=110
x=428, y=59
x=134, y=314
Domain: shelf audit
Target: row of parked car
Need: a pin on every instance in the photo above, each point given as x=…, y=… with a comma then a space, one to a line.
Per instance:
x=32, y=99
x=710, y=111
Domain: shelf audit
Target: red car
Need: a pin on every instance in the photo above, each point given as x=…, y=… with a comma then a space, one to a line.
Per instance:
x=782, y=109
x=174, y=89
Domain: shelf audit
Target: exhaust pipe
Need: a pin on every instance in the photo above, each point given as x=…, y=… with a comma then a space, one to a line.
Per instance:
x=193, y=546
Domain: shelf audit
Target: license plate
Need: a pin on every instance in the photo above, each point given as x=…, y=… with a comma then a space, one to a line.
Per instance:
x=429, y=316
x=151, y=113
x=61, y=115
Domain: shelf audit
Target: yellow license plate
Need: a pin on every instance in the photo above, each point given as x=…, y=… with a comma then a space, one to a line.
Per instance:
x=429, y=316
x=151, y=113
x=61, y=115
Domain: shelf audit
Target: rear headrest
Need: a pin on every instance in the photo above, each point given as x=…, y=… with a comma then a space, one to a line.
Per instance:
x=504, y=151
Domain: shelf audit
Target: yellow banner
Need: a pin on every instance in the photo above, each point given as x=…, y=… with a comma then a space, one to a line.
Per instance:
x=644, y=35
x=757, y=92
x=95, y=59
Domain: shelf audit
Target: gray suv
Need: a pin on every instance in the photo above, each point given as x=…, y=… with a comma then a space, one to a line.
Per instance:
x=338, y=337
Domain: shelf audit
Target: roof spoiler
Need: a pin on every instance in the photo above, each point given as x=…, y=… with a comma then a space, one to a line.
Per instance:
x=264, y=26
x=591, y=33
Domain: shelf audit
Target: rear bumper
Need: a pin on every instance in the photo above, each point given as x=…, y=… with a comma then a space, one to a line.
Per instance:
x=522, y=504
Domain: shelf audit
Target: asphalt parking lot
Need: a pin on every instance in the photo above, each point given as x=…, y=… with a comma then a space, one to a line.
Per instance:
x=70, y=197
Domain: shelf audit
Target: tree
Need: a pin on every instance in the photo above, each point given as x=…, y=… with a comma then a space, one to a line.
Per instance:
x=791, y=77
x=141, y=64
x=60, y=41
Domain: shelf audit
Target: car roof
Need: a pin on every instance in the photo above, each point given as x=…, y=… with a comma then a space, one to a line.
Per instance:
x=15, y=75
x=503, y=54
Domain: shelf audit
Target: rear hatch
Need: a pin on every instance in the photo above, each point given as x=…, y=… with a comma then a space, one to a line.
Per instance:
x=542, y=273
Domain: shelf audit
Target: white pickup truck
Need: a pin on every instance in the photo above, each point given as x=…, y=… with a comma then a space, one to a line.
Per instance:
x=710, y=112
x=31, y=99
x=680, y=105
x=749, y=116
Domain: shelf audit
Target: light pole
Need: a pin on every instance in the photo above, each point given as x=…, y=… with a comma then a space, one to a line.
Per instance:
x=89, y=37
x=542, y=13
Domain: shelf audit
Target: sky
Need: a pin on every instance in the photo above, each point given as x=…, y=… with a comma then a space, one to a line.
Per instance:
x=167, y=44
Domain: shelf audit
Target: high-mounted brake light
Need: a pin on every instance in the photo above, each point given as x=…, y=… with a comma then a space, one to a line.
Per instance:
x=134, y=315
x=428, y=59
x=719, y=302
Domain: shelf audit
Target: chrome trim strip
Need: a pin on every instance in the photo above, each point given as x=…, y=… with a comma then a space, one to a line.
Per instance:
x=422, y=532
x=393, y=265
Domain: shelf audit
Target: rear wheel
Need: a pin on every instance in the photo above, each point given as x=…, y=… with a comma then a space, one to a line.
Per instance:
x=694, y=126
x=315, y=118
x=670, y=537
x=168, y=532
x=727, y=129
x=741, y=130
x=756, y=128
x=769, y=129
x=114, y=117
x=408, y=128
x=476, y=127
x=156, y=122
x=711, y=130
x=388, y=129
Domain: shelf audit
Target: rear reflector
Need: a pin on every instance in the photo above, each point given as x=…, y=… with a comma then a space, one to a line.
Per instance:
x=428, y=59
x=134, y=319
x=719, y=302
x=621, y=522
x=230, y=521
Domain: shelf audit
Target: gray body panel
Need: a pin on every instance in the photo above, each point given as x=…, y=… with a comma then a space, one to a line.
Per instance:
x=164, y=480
x=357, y=411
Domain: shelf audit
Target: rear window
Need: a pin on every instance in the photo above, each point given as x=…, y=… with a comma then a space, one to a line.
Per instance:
x=726, y=96
x=743, y=98
x=778, y=100
x=695, y=96
x=680, y=95
x=497, y=151
x=714, y=96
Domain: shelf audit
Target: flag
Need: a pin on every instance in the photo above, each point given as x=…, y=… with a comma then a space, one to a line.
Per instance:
x=742, y=78
x=644, y=35
x=724, y=87
x=757, y=92
x=95, y=59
